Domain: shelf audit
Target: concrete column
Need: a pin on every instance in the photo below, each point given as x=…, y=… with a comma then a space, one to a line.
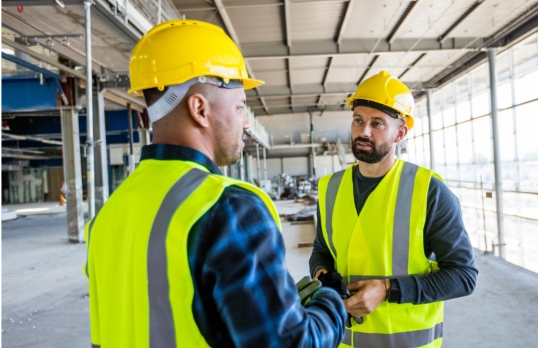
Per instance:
x=496, y=150
x=89, y=110
x=242, y=167
x=312, y=149
x=131, y=141
x=258, y=163
x=144, y=136
x=430, y=126
x=101, y=158
x=72, y=174
x=264, y=164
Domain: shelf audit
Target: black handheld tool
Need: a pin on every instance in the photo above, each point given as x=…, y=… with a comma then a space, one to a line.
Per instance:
x=335, y=281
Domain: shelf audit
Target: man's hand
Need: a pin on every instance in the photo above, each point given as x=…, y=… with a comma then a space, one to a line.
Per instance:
x=370, y=294
x=318, y=273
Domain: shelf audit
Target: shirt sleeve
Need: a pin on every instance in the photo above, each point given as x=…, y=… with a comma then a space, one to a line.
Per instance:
x=244, y=295
x=321, y=257
x=447, y=242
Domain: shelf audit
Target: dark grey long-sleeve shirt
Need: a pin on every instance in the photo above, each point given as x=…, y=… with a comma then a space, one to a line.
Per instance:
x=445, y=240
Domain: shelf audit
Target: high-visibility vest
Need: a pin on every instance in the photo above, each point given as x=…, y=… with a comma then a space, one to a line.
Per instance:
x=141, y=288
x=385, y=241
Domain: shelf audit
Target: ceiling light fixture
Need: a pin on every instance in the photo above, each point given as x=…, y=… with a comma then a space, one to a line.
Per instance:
x=60, y=3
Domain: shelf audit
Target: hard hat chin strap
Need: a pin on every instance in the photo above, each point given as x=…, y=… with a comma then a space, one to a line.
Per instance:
x=175, y=94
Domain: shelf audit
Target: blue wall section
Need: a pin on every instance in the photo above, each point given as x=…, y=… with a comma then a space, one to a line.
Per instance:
x=24, y=93
x=116, y=126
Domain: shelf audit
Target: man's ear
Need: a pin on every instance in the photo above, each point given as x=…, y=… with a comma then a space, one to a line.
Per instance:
x=199, y=109
x=402, y=132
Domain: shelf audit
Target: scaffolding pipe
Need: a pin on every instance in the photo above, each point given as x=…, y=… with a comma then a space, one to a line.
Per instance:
x=241, y=168
x=430, y=126
x=131, y=145
x=89, y=112
x=313, y=150
x=496, y=150
x=264, y=164
x=258, y=162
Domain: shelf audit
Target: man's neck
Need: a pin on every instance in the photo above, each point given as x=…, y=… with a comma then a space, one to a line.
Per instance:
x=379, y=169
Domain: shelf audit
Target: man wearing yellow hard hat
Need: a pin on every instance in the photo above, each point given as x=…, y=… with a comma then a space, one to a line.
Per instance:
x=392, y=229
x=181, y=256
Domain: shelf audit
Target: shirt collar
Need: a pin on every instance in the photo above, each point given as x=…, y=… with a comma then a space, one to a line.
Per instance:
x=178, y=152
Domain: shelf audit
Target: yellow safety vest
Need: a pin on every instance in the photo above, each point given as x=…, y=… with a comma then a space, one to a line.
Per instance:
x=141, y=288
x=385, y=241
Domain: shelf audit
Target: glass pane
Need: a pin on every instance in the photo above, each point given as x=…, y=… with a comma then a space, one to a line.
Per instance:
x=480, y=104
x=527, y=124
x=525, y=87
x=411, y=151
x=503, y=68
x=425, y=125
x=504, y=96
x=525, y=56
x=528, y=176
x=418, y=127
x=479, y=80
x=437, y=121
x=506, y=134
x=465, y=149
x=441, y=170
x=449, y=116
x=483, y=145
x=439, y=151
x=467, y=173
x=411, y=133
x=509, y=177
x=488, y=177
x=437, y=100
x=452, y=173
x=462, y=88
x=463, y=111
x=451, y=151
x=448, y=94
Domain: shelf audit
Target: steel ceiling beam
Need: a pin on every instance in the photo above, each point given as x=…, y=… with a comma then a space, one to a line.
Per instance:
x=458, y=21
x=229, y=27
x=405, y=17
x=351, y=47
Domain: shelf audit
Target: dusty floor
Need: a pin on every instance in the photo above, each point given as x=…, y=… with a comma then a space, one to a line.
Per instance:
x=44, y=300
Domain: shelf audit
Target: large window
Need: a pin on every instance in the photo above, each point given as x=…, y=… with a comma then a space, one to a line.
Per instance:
x=463, y=150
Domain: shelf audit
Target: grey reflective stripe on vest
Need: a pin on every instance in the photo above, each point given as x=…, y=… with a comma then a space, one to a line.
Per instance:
x=402, y=220
x=330, y=199
x=88, y=247
x=347, y=337
x=161, y=322
x=409, y=339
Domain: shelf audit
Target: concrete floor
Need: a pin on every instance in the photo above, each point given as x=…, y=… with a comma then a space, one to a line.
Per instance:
x=44, y=294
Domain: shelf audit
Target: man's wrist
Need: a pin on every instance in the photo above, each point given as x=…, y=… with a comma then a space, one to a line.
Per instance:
x=393, y=293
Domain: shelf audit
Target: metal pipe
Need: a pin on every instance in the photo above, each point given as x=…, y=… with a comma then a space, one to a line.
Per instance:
x=312, y=150
x=241, y=168
x=131, y=145
x=496, y=150
x=430, y=126
x=89, y=111
x=258, y=162
x=264, y=164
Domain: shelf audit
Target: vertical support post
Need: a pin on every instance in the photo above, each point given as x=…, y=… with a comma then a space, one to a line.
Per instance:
x=72, y=174
x=89, y=111
x=258, y=162
x=312, y=149
x=101, y=158
x=430, y=127
x=264, y=164
x=496, y=150
x=159, y=13
x=131, y=146
x=242, y=167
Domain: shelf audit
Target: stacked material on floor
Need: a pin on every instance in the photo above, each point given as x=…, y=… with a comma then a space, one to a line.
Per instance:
x=8, y=215
x=306, y=214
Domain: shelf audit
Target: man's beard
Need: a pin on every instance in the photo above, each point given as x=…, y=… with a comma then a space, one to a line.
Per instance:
x=375, y=155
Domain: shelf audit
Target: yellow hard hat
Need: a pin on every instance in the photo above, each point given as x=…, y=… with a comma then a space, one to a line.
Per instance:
x=386, y=93
x=179, y=50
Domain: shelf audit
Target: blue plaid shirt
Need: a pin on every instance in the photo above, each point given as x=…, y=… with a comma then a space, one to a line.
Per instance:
x=244, y=294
